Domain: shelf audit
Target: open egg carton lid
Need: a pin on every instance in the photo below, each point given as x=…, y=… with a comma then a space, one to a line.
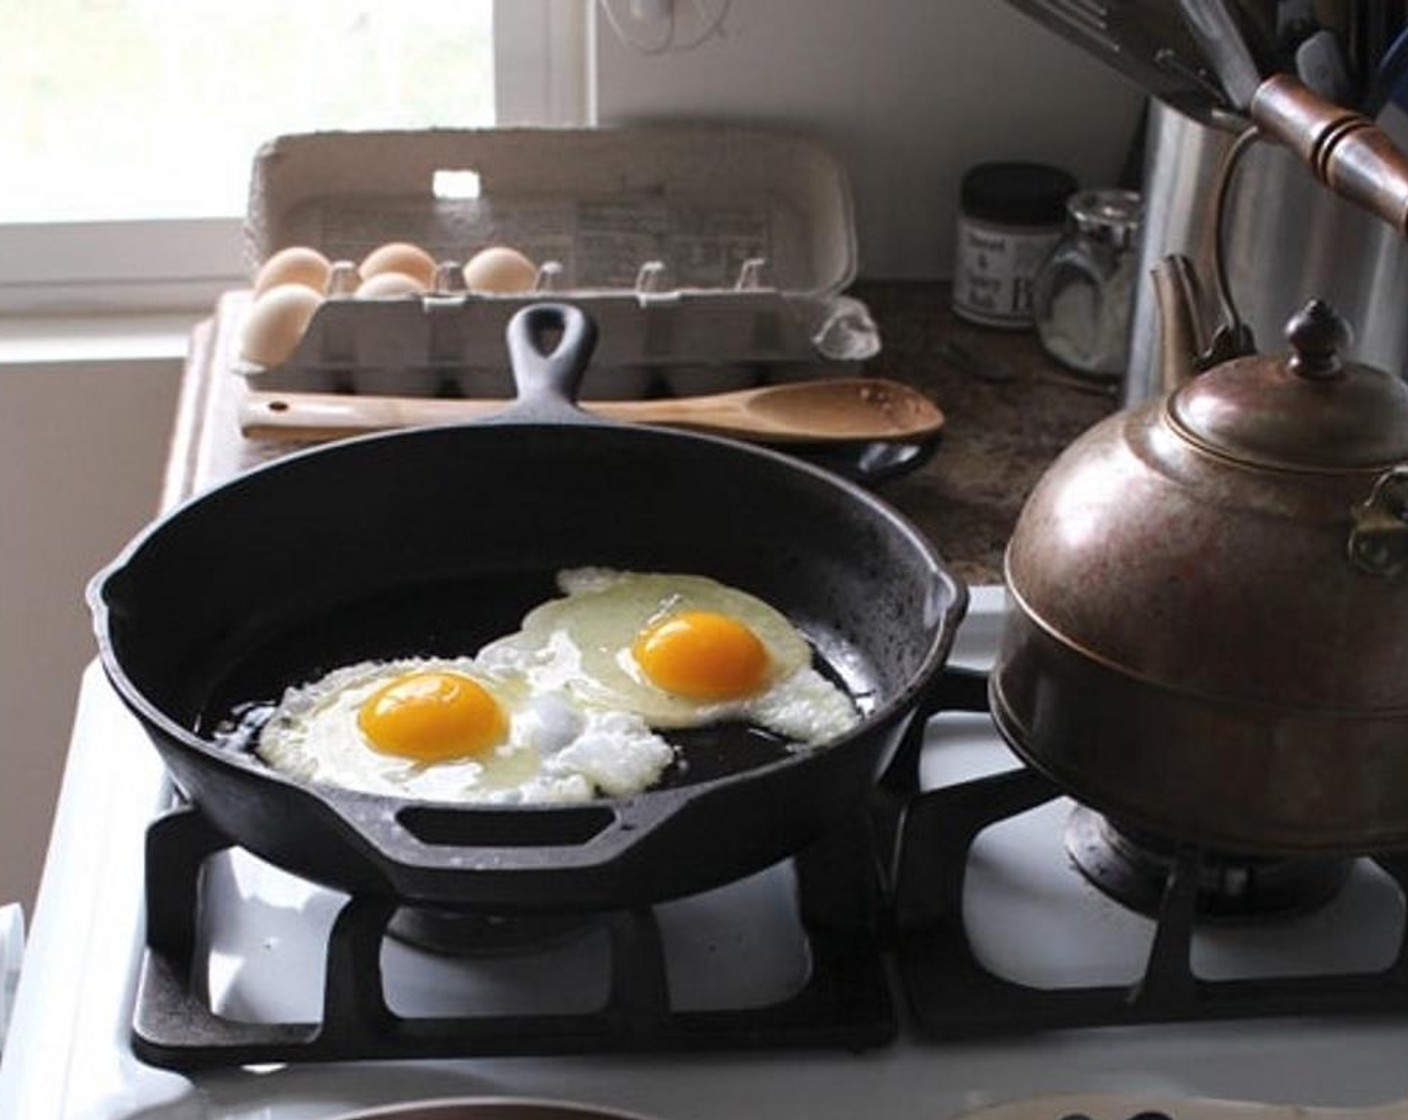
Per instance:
x=710, y=257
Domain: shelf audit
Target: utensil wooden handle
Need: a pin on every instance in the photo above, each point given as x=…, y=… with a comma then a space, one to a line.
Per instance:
x=323, y=416
x=844, y=410
x=1345, y=151
x=315, y=416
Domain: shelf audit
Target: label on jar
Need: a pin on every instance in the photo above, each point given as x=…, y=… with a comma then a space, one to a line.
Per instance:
x=995, y=267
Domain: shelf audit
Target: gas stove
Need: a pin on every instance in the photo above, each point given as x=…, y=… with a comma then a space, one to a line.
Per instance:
x=976, y=995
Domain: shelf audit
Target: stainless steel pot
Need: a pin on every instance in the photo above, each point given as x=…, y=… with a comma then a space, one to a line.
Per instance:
x=1285, y=239
x=1209, y=633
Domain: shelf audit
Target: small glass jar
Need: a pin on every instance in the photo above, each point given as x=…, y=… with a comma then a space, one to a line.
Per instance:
x=1083, y=294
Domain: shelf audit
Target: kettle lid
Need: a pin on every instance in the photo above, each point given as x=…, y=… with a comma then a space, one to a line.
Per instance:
x=1304, y=410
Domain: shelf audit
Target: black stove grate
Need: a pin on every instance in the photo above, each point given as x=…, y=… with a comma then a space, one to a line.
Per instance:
x=952, y=994
x=845, y=1002
x=852, y=925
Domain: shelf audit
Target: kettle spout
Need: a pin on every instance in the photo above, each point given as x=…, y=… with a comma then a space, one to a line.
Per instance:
x=1182, y=321
x=1188, y=344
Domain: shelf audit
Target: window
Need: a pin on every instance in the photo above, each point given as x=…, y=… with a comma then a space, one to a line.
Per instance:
x=132, y=123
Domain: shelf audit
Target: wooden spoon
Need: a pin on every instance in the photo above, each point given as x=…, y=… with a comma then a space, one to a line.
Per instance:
x=824, y=410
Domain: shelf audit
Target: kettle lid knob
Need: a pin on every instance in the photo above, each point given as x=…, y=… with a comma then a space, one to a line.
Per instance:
x=1317, y=335
x=1310, y=410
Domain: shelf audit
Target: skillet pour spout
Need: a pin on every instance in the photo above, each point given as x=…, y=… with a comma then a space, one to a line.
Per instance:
x=1210, y=607
x=437, y=540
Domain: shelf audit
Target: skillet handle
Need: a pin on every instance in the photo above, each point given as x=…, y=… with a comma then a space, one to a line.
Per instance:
x=512, y=858
x=549, y=381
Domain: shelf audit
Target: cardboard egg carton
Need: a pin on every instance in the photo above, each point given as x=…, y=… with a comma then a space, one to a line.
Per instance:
x=710, y=257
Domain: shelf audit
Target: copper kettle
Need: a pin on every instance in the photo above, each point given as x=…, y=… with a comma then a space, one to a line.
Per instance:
x=1208, y=633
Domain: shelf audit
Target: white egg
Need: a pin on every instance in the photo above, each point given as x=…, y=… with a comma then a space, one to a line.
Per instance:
x=677, y=650
x=295, y=264
x=399, y=256
x=334, y=730
x=390, y=285
x=500, y=270
x=276, y=322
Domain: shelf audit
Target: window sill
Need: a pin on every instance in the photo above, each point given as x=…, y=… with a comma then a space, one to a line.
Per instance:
x=87, y=339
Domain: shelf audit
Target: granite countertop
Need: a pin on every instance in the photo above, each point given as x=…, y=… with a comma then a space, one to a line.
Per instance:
x=1004, y=424
x=1006, y=419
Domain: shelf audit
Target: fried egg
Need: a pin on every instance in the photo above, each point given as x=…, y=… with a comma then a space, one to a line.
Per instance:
x=446, y=730
x=679, y=651
x=569, y=707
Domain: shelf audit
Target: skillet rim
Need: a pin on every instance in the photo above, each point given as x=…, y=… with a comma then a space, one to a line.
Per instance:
x=908, y=696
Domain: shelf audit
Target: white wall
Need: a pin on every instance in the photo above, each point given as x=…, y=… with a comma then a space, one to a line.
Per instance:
x=82, y=447
x=907, y=93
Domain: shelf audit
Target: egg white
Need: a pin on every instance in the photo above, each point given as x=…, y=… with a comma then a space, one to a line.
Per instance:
x=580, y=645
x=556, y=751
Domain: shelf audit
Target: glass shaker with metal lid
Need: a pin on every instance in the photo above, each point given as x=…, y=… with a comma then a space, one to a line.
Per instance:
x=1083, y=294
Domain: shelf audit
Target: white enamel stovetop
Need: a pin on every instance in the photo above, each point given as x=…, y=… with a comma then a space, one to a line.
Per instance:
x=68, y=1057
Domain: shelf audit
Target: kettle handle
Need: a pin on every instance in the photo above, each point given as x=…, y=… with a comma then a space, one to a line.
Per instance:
x=1342, y=148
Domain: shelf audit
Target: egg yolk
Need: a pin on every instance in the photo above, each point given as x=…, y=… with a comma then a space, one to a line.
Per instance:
x=703, y=656
x=432, y=716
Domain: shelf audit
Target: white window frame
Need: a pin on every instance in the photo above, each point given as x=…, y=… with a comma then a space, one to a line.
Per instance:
x=541, y=52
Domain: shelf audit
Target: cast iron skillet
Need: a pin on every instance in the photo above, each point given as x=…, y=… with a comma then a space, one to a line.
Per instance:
x=435, y=540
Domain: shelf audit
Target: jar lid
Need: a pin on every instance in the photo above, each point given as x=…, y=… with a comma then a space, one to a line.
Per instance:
x=1027, y=194
x=1111, y=216
x=1305, y=410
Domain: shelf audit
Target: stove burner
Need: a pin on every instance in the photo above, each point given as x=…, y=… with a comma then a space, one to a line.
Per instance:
x=843, y=1002
x=953, y=994
x=1133, y=867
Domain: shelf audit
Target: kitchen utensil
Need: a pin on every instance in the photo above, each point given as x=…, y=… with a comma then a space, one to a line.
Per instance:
x=1210, y=621
x=1388, y=71
x=437, y=539
x=1375, y=24
x=1389, y=98
x=1320, y=64
x=1143, y=39
x=1118, y=1106
x=1343, y=149
x=1218, y=34
x=1289, y=35
x=824, y=410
